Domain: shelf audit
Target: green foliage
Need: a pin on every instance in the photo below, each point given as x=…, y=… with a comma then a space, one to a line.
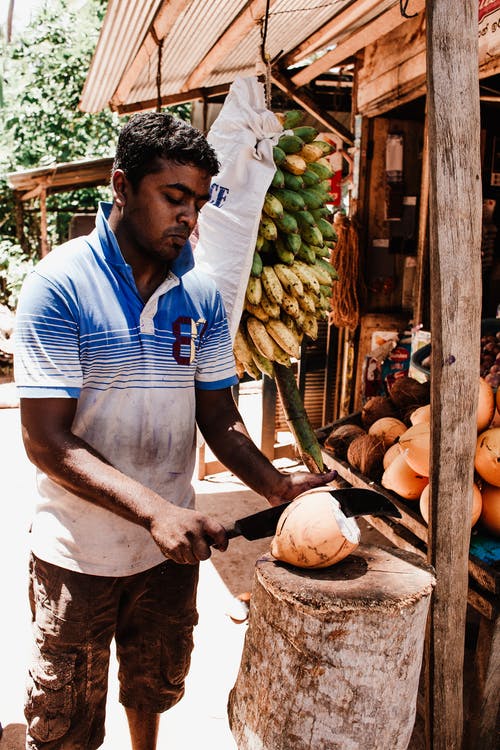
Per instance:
x=14, y=265
x=42, y=74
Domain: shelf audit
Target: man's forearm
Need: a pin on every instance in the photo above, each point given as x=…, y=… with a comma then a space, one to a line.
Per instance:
x=77, y=467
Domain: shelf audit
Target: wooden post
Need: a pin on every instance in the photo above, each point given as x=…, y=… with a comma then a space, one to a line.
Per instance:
x=44, y=244
x=455, y=265
x=422, y=244
x=332, y=657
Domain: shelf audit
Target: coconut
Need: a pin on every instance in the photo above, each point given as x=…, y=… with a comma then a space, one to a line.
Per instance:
x=375, y=408
x=490, y=514
x=485, y=405
x=312, y=531
x=487, y=459
x=406, y=391
x=388, y=429
x=339, y=440
x=391, y=454
x=415, y=443
x=476, y=504
x=366, y=453
x=403, y=480
x=421, y=414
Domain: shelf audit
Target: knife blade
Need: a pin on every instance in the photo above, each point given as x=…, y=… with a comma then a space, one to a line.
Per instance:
x=353, y=501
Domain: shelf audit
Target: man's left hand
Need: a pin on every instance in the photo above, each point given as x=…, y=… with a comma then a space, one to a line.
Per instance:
x=297, y=482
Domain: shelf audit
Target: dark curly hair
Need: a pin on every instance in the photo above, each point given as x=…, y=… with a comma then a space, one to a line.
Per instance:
x=150, y=136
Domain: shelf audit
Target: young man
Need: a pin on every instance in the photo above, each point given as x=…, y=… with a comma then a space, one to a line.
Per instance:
x=122, y=347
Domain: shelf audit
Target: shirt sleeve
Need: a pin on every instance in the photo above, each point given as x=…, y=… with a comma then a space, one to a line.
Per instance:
x=46, y=354
x=215, y=361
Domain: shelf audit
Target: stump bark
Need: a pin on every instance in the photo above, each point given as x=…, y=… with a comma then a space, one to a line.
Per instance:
x=332, y=657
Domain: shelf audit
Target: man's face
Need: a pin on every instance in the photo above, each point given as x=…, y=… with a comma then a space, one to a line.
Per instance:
x=160, y=214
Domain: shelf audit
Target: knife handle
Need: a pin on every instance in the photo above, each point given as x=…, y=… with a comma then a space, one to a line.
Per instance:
x=232, y=531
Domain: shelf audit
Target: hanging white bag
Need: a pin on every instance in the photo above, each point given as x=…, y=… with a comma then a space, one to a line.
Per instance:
x=243, y=136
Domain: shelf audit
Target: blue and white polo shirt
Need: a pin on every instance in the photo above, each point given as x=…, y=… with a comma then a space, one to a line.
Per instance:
x=83, y=331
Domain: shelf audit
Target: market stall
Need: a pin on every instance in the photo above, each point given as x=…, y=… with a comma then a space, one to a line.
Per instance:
x=399, y=54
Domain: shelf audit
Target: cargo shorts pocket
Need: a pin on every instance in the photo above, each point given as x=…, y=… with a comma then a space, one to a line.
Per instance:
x=50, y=696
x=176, y=654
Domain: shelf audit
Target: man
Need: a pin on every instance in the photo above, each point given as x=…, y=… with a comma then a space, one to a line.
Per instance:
x=122, y=347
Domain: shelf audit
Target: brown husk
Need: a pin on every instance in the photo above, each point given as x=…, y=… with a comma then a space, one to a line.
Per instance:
x=366, y=453
x=375, y=408
x=406, y=392
x=339, y=440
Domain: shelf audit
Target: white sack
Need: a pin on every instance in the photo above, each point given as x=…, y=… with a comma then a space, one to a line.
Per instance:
x=243, y=136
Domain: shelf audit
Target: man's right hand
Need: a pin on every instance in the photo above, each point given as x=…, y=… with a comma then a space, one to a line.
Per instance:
x=186, y=536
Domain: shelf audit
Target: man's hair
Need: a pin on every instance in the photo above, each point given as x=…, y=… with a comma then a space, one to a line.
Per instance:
x=150, y=136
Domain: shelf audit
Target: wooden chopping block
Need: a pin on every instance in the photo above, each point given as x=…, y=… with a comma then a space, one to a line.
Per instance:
x=332, y=657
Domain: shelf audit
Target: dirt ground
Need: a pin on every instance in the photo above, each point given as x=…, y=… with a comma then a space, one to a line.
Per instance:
x=200, y=719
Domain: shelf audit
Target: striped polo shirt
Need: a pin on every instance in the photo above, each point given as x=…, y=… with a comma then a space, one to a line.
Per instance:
x=83, y=332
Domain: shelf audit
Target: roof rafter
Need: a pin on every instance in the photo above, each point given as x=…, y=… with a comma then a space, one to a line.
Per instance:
x=183, y=97
x=309, y=105
x=361, y=38
x=252, y=14
x=340, y=24
x=165, y=18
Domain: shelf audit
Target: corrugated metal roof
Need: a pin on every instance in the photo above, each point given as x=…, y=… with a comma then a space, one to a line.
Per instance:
x=206, y=42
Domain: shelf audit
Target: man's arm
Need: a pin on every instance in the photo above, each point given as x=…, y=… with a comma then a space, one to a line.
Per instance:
x=222, y=427
x=182, y=535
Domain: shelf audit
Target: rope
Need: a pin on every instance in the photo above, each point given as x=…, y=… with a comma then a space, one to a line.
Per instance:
x=403, y=5
x=265, y=57
x=159, y=43
x=345, y=259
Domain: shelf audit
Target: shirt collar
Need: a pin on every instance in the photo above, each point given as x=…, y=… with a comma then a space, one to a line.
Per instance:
x=181, y=265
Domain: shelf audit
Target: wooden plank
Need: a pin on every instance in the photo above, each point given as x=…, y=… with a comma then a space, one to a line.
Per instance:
x=339, y=24
x=368, y=34
x=485, y=577
x=239, y=28
x=409, y=519
x=422, y=241
x=481, y=730
x=397, y=534
x=44, y=241
x=309, y=104
x=404, y=82
x=404, y=43
x=183, y=97
x=455, y=262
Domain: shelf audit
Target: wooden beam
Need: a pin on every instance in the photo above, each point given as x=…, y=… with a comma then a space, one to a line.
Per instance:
x=239, y=28
x=186, y=96
x=310, y=105
x=339, y=24
x=44, y=243
x=422, y=242
x=162, y=24
x=455, y=264
x=361, y=38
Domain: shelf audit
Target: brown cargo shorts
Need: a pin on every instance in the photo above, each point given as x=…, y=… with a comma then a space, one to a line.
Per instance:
x=151, y=615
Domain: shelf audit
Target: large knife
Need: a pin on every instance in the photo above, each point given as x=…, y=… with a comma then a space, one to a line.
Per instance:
x=353, y=501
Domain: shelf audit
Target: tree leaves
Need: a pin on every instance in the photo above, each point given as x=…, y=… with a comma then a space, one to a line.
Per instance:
x=43, y=72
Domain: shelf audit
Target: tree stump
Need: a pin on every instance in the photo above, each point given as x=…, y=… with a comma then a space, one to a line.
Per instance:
x=332, y=657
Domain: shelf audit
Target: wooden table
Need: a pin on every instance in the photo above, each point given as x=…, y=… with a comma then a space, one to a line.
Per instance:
x=410, y=533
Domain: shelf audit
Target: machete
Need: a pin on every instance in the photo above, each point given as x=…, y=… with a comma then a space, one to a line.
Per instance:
x=353, y=501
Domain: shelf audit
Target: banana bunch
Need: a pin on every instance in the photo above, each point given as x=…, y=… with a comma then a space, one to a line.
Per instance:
x=291, y=279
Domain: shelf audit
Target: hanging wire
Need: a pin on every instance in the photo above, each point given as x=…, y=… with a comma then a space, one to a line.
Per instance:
x=265, y=57
x=403, y=5
x=159, y=43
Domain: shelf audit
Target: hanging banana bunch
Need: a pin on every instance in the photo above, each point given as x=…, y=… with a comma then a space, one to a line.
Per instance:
x=291, y=281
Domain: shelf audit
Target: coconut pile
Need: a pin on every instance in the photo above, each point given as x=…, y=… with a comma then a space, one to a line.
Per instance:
x=392, y=446
x=384, y=419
